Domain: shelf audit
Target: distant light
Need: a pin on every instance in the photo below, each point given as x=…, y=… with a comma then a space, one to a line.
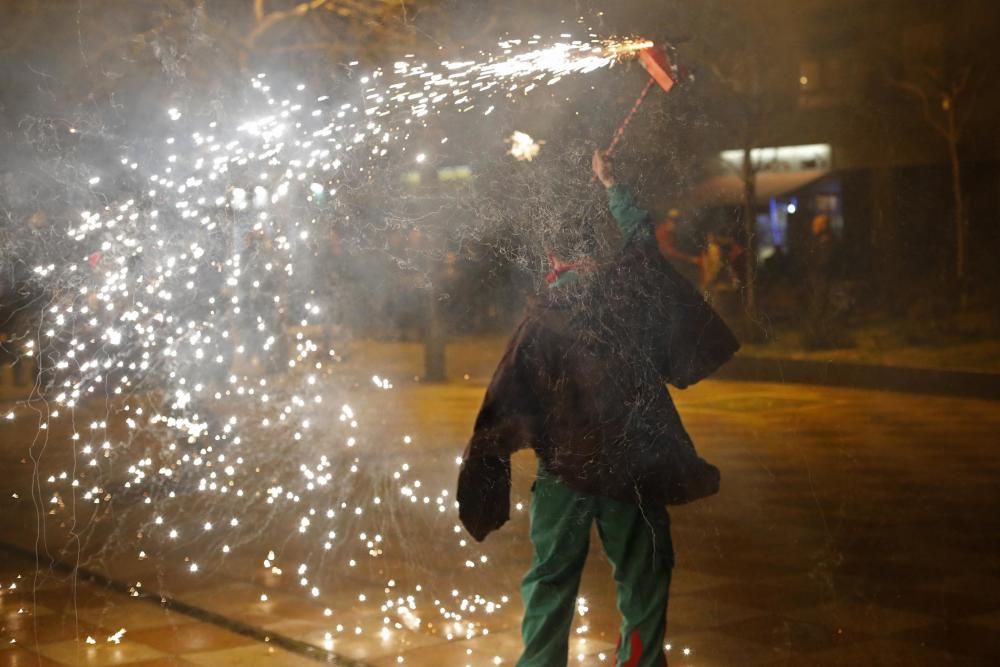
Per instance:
x=792, y=208
x=421, y=157
x=455, y=173
x=804, y=80
x=792, y=158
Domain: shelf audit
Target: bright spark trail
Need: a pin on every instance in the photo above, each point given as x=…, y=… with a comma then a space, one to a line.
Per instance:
x=181, y=314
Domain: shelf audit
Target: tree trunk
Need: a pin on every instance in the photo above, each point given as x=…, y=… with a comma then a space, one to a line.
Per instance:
x=435, y=336
x=434, y=339
x=959, y=204
x=749, y=233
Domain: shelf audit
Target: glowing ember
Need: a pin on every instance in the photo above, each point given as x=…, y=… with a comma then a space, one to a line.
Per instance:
x=523, y=147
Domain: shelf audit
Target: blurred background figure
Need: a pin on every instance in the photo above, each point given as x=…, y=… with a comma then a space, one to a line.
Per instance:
x=668, y=241
x=820, y=328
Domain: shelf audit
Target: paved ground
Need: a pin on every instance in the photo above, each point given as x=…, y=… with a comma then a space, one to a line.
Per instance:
x=971, y=348
x=853, y=528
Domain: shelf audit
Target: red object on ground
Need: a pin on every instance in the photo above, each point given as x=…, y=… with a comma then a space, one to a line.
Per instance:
x=656, y=61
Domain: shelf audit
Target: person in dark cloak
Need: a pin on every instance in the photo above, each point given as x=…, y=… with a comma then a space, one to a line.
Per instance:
x=582, y=383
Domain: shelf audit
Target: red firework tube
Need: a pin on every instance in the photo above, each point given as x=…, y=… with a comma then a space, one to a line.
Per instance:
x=656, y=61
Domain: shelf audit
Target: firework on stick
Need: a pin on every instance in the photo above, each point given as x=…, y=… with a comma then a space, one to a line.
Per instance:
x=662, y=71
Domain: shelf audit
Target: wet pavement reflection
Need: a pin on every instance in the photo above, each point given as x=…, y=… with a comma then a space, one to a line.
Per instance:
x=853, y=527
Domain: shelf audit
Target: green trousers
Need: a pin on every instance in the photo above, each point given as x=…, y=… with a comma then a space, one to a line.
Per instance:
x=636, y=541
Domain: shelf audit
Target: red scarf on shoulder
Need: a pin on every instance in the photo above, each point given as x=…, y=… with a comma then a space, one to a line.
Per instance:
x=560, y=267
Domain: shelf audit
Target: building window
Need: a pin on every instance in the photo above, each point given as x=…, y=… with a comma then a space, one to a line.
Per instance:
x=828, y=81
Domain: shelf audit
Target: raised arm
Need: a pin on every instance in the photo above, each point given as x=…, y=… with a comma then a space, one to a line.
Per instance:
x=633, y=220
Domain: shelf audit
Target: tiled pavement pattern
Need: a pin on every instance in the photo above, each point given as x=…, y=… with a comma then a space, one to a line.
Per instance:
x=46, y=629
x=854, y=528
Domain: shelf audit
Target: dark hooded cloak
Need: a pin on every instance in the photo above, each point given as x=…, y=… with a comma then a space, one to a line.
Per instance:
x=582, y=382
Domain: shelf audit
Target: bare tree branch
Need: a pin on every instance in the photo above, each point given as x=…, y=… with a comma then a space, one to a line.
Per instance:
x=268, y=21
x=925, y=103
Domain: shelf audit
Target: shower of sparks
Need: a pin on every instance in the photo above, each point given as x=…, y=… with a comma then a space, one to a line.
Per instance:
x=418, y=89
x=523, y=147
x=185, y=311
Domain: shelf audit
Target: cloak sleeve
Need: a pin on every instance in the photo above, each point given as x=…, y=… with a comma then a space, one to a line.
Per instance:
x=665, y=316
x=633, y=221
x=699, y=342
x=506, y=423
